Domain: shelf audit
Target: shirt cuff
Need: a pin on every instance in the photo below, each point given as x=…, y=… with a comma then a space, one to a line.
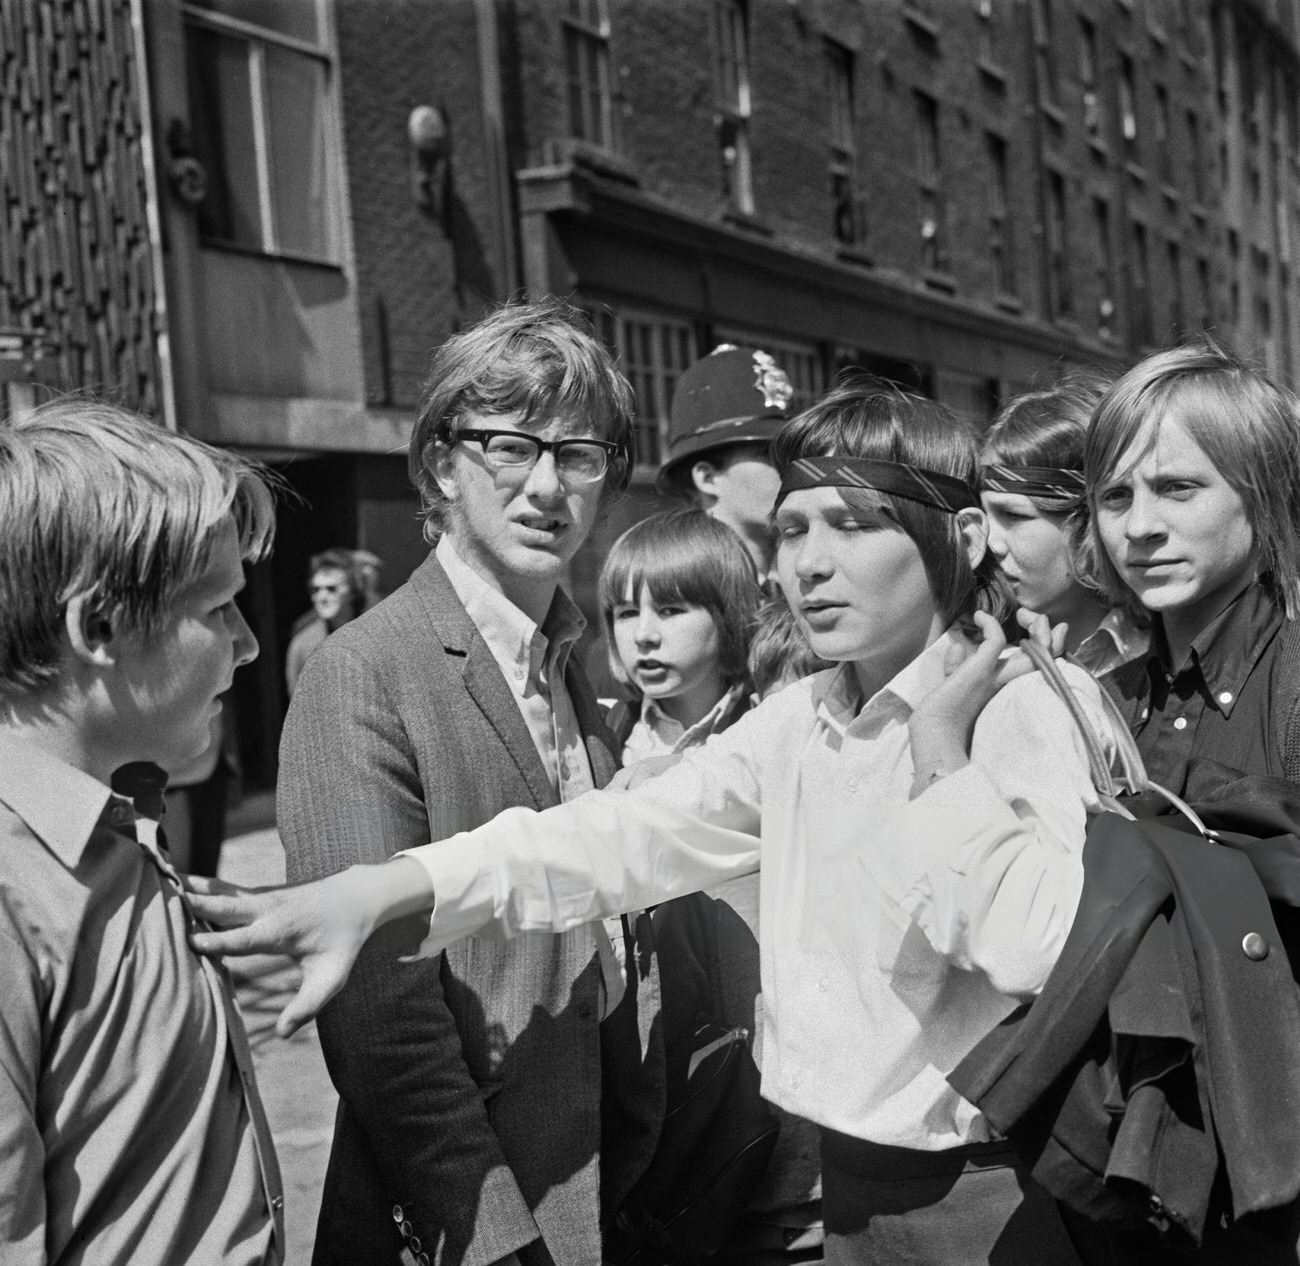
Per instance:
x=464, y=892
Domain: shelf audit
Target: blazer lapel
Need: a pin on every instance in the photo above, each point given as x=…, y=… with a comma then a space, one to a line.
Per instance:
x=601, y=750
x=484, y=683
x=488, y=689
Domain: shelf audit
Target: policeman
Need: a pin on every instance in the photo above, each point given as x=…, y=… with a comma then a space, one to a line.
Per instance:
x=726, y=410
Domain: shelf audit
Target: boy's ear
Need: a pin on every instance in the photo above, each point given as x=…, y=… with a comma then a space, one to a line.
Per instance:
x=90, y=632
x=973, y=525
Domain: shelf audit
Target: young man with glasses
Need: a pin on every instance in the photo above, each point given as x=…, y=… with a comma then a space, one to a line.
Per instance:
x=470, y=1125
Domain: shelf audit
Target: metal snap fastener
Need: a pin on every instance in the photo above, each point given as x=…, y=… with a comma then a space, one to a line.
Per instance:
x=1254, y=946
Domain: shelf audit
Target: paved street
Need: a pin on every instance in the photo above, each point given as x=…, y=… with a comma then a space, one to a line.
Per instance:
x=300, y=1101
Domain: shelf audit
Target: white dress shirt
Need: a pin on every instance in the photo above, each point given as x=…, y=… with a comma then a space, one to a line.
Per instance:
x=896, y=932
x=533, y=661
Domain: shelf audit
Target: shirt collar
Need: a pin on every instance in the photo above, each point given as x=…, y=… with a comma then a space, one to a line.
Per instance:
x=1227, y=650
x=838, y=697
x=60, y=804
x=511, y=636
x=670, y=731
x=1116, y=640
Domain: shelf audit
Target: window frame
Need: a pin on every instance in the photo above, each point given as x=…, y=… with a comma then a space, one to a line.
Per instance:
x=929, y=179
x=1094, y=111
x=734, y=98
x=675, y=348
x=1126, y=94
x=1105, y=273
x=1001, y=236
x=324, y=53
x=841, y=128
x=577, y=32
x=1056, y=239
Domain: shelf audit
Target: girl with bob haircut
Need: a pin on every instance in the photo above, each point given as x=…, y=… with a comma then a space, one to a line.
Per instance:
x=677, y=597
x=1032, y=489
x=1193, y=477
x=917, y=813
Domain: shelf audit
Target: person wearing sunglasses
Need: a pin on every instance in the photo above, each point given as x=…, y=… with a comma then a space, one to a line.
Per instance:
x=334, y=591
x=470, y=1122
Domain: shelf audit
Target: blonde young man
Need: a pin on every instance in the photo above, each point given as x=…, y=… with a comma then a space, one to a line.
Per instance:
x=130, y=1127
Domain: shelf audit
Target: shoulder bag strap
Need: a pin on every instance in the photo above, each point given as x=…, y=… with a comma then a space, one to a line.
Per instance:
x=1132, y=769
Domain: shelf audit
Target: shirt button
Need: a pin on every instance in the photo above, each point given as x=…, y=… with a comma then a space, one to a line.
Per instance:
x=277, y=1203
x=824, y=984
x=1180, y=723
x=1254, y=946
x=1146, y=712
x=854, y=784
x=520, y=674
x=1226, y=697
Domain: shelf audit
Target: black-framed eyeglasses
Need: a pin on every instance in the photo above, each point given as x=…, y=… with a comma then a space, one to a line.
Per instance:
x=516, y=452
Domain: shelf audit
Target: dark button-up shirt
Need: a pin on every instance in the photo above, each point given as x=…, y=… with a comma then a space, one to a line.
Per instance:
x=130, y=1130
x=1218, y=704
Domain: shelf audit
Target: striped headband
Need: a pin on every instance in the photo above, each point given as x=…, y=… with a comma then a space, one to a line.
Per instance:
x=929, y=487
x=1062, y=488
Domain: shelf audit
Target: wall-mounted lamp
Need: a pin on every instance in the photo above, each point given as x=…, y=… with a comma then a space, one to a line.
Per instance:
x=430, y=138
x=185, y=174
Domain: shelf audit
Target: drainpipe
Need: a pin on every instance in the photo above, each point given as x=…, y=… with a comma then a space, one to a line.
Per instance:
x=494, y=141
x=153, y=218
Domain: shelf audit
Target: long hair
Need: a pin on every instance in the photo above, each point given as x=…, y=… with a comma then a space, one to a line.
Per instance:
x=1049, y=427
x=867, y=418
x=685, y=556
x=1247, y=425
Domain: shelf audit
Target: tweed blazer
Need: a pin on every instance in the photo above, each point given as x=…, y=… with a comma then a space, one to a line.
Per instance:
x=469, y=1083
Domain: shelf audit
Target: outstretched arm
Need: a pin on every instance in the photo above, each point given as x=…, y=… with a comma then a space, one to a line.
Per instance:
x=322, y=924
x=693, y=826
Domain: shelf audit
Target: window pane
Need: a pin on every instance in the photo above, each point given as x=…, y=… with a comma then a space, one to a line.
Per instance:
x=299, y=153
x=222, y=112
x=297, y=18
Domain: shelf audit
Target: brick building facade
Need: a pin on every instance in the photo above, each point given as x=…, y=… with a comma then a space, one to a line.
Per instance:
x=255, y=218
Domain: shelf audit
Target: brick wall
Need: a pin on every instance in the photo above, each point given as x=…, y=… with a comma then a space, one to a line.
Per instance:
x=418, y=278
x=984, y=74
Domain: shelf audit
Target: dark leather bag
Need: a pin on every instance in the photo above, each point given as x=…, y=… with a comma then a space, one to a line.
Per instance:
x=718, y=1134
